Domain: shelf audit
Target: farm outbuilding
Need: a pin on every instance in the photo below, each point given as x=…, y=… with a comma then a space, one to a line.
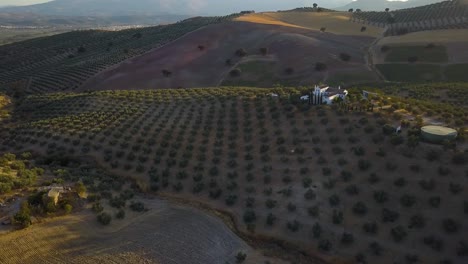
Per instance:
x=438, y=134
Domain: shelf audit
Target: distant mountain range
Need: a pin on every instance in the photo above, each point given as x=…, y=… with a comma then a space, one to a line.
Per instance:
x=36, y=20
x=193, y=7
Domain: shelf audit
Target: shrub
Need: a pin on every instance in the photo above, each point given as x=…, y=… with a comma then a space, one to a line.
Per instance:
x=347, y=238
x=240, y=257
x=325, y=245
x=345, y=57
x=397, y=140
x=364, y=165
x=389, y=215
x=450, y=226
x=360, y=208
x=380, y=196
x=370, y=228
x=293, y=226
x=289, y=70
x=97, y=207
x=138, y=207
x=120, y=214
x=310, y=195
x=399, y=233
x=23, y=216
x=319, y=66
x=235, y=72
x=249, y=216
x=104, y=218
x=316, y=230
x=241, y=52
x=68, y=208
x=271, y=219
x=388, y=129
x=407, y=200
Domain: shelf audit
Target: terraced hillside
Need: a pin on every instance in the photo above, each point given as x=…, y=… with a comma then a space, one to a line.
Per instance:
x=337, y=182
x=65, y=61
x=444, y=15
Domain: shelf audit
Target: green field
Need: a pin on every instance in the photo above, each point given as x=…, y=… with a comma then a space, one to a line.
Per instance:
x=402, y=53
x=410, y=73
x=253, y=73
x=8, y=36
x=457, y=72
x=350, y=77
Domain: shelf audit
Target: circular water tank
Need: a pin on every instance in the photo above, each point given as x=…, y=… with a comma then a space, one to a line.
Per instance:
x=438, y=134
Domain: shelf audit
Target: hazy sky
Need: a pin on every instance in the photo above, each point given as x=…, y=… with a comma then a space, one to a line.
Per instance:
x=21, y=2
x=30, y=2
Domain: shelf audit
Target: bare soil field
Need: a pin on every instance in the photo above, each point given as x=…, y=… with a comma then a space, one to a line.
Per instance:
x=290, y=47
x=334, y=22
x=166, y=234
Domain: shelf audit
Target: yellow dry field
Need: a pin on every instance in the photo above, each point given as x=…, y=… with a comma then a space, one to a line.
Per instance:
x=434, y=36
x=334, y=22
x=165, y=234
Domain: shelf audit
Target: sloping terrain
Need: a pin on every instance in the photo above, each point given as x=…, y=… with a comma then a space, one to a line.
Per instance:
x=338, y=181
x=289, y=46
x=166, y=234
x=65, y=61
x=334, y=22
x=435, y=55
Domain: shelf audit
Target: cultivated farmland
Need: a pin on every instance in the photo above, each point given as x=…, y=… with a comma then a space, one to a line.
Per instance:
x=65, y=61
x=282, y=169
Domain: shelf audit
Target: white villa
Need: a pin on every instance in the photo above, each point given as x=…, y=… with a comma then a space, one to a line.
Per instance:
x=325, y=94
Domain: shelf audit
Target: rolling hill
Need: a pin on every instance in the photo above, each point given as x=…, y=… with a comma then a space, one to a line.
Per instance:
x=380, y=5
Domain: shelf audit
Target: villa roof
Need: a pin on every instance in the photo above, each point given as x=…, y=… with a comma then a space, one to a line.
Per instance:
x=334, y=91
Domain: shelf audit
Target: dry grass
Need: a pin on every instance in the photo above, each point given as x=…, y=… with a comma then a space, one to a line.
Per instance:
x=334, y=22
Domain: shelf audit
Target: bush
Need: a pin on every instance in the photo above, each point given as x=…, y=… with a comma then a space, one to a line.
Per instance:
x=235, y=72
x=293, y=226
x=370, y=228
x=68, y=208
x=104, y=218
x=399, y=233
x=97, y=207
x=389, y=215
x=345, y=57
x=240, y=257
x=289, y=70
x=23, y=216
x=319, y=66
x=241, y=53
x=137, y=207
x=388, y=129
x=120, y=214
x=249, y=216
x=347, y=238
x=364, y=165
x=450, y=226
x=360, y=208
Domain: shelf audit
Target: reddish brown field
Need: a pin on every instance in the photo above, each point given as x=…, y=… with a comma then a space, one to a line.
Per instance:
x=298, y=48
